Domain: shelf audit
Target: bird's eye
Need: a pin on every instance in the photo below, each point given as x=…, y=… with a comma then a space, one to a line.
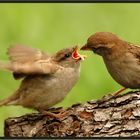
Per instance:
x=67, y=55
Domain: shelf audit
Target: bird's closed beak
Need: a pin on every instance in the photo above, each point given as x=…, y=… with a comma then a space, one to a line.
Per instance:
x=77, y=56
x=86, y=47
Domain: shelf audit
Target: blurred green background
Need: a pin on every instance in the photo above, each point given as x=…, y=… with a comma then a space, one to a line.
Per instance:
x=51, y=27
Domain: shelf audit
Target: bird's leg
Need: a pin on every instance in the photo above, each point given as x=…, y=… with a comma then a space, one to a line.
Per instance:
x=111, y=96
x=62, y=113
x=119, y=91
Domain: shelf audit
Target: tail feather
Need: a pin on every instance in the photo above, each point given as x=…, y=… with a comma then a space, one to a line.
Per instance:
x=4, y=65
x=12, y=100
x=4, y=102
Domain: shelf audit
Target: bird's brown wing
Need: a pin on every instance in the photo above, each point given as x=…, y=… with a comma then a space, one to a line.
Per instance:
x=135, y=50
x=23, y=54
x=26, y=61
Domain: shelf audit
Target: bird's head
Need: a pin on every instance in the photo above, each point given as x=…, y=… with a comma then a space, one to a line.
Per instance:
x=68, y=57
x=101, y=43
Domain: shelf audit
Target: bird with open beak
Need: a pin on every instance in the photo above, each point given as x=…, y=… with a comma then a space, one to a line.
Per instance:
x=121, y=58
x=46, y=80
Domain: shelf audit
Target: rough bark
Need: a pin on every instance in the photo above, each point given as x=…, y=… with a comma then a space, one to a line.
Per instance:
x=117, y=116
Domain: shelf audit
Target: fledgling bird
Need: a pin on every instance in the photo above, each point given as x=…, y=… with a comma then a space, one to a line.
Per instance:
x=46, y=79
x=121, y=58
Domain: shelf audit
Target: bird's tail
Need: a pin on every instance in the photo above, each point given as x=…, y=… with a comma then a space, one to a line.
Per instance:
x=12, y=100
x=4, y=65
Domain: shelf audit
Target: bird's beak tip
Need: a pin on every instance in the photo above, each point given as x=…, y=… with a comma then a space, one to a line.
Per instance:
x=85, y=47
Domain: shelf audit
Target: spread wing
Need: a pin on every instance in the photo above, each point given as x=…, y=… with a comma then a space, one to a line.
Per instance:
x=27, y=61
x=23, y=54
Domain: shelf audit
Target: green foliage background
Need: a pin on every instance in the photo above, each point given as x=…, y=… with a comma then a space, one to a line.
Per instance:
x=51, y=27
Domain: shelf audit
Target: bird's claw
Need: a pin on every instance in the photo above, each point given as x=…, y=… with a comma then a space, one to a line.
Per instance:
x=59, y=115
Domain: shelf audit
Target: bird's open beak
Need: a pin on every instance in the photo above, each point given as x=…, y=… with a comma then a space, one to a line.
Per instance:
x=85, y=47
x=77, y=56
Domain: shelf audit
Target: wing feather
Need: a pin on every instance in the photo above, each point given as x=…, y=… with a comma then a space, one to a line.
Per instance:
x=135, y=50
x=23, y=54
x=27, y=61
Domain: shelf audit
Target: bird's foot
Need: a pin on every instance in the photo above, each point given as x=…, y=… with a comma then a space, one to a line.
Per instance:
x=111, y=96
x=62, y=113
x=105, y=98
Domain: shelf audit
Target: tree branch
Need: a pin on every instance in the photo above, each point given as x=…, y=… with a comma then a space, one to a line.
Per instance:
x=118, y=116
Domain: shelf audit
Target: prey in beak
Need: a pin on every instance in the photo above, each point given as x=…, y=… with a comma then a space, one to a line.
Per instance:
x=76, y=55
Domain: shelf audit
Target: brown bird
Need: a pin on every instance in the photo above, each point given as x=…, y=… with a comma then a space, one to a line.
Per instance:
x=46, y=79
x=121, y=58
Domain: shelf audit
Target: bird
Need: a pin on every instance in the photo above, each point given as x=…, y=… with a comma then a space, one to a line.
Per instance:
x=122, y=58
x=45, y=79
